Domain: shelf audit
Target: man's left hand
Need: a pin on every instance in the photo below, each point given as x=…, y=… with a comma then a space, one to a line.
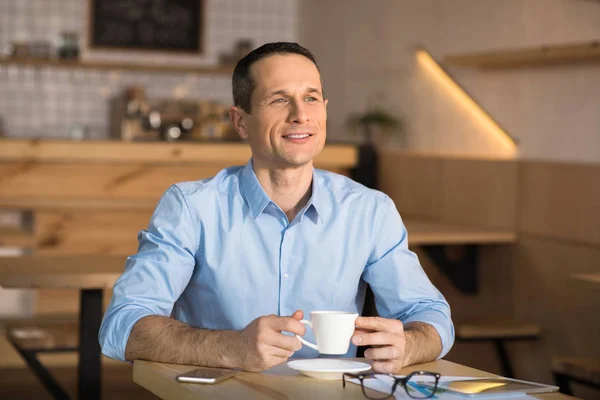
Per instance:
x=388, y=339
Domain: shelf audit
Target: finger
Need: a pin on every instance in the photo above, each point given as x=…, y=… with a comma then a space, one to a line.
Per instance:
x=279, y=352
x=362, y=331
x=384, y=353
x=289, y=343
x=298, y=315
x=386, y=367
x=379, y=324
x=288, y=324
x=375, y=338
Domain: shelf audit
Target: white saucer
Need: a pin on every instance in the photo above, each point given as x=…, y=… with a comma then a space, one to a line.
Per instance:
x=327, y=368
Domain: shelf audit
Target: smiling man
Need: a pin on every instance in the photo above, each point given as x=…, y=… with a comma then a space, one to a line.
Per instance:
x=228, y=265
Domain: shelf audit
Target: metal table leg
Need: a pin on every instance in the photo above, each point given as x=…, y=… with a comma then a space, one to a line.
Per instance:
x=90, y=364
x=43, y=374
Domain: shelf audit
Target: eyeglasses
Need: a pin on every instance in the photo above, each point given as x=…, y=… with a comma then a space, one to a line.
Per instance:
x=418, y=384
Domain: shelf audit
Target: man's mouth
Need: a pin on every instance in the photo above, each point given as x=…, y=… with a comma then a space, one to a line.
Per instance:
x=297, y=135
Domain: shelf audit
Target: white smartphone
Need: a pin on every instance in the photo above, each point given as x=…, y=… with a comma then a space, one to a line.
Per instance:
x=205, y=375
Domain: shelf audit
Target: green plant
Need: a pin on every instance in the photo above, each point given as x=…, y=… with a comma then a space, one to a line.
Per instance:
x=375, y=119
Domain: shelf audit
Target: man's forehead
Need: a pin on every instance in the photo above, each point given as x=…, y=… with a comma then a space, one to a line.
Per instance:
x=275, y=70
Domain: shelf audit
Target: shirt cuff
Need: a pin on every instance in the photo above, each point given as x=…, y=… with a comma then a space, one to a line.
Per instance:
x=116, y=331
x=441, y=323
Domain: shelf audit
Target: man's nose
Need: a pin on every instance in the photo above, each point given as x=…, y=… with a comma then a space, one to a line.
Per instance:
x=298, y=112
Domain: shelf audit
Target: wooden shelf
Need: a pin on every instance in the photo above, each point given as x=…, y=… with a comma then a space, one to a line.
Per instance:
x=528, y=57
x=91, y=65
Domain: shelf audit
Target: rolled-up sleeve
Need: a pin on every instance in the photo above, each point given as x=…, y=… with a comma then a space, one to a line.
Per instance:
x=402, y=289
x=155, y=277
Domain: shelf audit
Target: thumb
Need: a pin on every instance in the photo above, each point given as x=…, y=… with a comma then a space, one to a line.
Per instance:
x=298, y=315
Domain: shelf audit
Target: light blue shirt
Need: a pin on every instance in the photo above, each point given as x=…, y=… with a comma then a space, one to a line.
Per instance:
x=218, y=253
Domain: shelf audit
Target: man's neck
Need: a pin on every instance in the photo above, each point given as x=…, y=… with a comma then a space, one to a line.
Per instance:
x=289, y=188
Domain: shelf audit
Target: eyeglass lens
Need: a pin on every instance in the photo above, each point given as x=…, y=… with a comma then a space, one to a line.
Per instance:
x=421, y=386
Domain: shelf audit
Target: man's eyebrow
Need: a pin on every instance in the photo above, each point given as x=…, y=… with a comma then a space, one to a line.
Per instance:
x=313, y=90
x=277, y=92
x=284, y=92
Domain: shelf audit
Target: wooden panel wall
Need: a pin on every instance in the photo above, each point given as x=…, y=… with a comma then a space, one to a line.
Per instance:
x=473, y=192
x=413, y=182
x=561, y=201
x=479, y=192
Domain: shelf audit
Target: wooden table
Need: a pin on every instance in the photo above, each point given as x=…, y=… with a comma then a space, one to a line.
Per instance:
x=590, y=280
x=91, y=275
x=422, y=233
x=453, y=248
x=280, y=382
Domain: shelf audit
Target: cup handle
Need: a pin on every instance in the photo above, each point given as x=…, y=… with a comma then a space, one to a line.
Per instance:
x=309, y=344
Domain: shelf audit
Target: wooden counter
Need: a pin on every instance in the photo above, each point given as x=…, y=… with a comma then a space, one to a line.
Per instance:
x=62, y=174
x=229, y=153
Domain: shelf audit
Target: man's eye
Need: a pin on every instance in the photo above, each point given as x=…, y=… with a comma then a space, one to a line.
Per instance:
x=279, y=101
x=311, y=98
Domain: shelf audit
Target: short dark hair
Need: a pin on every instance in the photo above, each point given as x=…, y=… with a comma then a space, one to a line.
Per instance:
x=242, y=84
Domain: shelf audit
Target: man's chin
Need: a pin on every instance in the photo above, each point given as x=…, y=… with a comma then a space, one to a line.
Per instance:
x=299, y=160
x=296, y=163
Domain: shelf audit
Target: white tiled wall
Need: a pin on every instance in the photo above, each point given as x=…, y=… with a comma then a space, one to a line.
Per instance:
x=49, y=102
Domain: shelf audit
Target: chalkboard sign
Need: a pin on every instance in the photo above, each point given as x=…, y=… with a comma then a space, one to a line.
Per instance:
x=160, y=25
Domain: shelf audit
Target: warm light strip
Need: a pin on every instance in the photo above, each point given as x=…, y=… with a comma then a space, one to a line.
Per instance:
x=463, y=98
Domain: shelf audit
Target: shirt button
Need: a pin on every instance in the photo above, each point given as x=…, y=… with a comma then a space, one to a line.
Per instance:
x=286, y=275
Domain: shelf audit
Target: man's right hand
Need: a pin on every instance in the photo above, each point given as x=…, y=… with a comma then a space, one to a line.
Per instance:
x=262, y=345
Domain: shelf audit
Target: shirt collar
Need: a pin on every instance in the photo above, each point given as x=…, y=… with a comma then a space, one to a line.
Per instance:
x=255, y=195
x=258, y=200
x=317, y=201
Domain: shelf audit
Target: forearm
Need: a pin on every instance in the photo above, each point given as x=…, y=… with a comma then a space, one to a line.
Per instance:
x=423, y=343
x=158, y=338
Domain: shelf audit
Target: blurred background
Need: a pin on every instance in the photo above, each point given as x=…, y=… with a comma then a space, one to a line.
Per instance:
x=476, y=116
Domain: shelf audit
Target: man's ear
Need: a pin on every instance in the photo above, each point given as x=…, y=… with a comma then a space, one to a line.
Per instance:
x=236, y=116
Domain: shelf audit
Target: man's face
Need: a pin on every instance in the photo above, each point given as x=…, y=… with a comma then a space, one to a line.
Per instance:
x=287, y=123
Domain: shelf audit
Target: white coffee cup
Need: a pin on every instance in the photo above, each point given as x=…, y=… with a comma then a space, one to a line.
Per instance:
x=333, y=331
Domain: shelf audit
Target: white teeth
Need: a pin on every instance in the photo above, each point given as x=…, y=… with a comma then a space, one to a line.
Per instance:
x=297, y=136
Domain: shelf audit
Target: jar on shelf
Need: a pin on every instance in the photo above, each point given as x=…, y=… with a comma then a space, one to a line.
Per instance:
x=68, y=45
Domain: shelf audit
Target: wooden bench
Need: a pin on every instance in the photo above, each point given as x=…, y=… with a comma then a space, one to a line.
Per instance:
x=498, y=332
x=44, y=337
x=580, y=370
x=35, y=335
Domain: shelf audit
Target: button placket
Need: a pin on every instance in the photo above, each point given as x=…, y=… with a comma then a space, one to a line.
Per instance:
x=284, y=268
x=286, y=254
